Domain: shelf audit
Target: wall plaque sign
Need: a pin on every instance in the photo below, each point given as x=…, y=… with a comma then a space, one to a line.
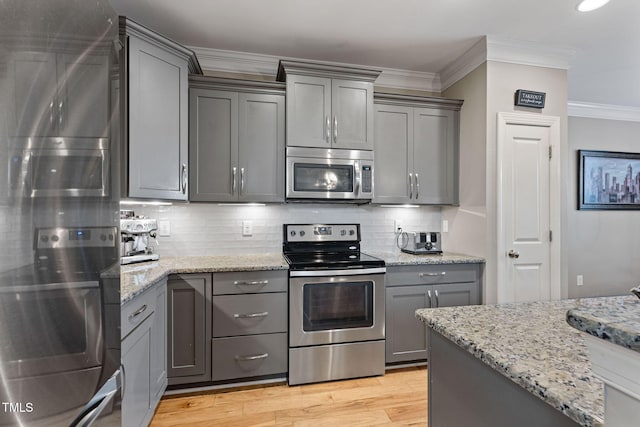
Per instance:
x=529, y=98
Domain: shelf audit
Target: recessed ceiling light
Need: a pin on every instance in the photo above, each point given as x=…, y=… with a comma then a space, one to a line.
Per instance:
x=589, y=5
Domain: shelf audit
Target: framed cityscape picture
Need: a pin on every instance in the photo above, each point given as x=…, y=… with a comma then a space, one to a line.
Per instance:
x=608, y=180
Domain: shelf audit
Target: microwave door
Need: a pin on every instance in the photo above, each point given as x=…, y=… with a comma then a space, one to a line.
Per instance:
x=321, y=179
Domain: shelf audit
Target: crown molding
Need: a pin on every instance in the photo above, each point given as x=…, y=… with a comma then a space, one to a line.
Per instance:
x=603, y=111
x=464, y=64
x=229, y=61
x=528, y=53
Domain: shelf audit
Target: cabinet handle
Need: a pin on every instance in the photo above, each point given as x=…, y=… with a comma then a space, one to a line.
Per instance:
x=256, y=357
x=410, y=186
x=432, y=274
x=51, y=114
x=241, y=181
x=335, y=129
x=429, y=295
x=328, y=130
x=61, y=114
x=185, y=178
x=250, y=315
x=417, y=186
x=252, y=283
x=138, y=312
x=233, y=180
x=437, y=298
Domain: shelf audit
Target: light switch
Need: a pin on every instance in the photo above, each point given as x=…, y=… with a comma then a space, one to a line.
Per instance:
x=164, y=228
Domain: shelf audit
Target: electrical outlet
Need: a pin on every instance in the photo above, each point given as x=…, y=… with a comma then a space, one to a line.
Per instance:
x=164, y=228
x=445, y=226
x=247, y=228
x=579, y=280
x=397, y=225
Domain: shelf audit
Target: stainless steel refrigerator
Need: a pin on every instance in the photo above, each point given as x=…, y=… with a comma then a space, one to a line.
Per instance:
x=59, y=203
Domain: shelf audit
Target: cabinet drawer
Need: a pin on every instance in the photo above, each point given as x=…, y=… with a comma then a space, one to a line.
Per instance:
x=250, y=356
x=431, y=274
x=136, y=310
x=250, y=282
x=249, y=314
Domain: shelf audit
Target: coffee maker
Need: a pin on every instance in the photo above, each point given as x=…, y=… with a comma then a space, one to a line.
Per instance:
x=135, y=232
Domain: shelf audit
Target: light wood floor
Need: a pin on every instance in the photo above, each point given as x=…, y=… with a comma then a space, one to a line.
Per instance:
x=399, y=398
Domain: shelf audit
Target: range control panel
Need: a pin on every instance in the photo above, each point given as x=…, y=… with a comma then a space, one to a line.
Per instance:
x=75, y=237
x=322, y=232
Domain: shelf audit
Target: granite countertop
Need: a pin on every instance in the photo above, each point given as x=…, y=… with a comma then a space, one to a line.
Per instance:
x=531, y=344
x=135, y=278
x=613, y=319
x=401, y=258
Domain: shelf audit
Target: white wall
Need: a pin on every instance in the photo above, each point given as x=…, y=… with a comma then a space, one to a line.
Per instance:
x=603, y=246
x=211, y=229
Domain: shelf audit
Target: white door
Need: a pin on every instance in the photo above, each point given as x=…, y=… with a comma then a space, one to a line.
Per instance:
x=527, y=210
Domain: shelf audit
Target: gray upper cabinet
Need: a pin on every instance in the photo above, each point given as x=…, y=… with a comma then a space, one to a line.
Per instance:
x=155, y=114
x=35, y=76
x=328, y=105
x=236, y=145
x=417, y=150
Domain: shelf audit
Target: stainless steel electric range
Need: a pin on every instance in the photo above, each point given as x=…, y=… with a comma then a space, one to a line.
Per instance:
x=336, y=304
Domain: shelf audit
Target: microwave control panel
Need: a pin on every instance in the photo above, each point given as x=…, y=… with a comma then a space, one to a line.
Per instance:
x=367, y=179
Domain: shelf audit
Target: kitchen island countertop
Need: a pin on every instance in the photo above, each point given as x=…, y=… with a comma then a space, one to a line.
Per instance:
x=616, y=320
x=135, y=278
x=533, y=346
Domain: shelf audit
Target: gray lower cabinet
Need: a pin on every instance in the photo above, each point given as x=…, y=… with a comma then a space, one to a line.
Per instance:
x=249, y=324
x=409, y=288
x=143, y=340
x=416, y=146
x=188, y=328
x=237, y=139
x=155, y=112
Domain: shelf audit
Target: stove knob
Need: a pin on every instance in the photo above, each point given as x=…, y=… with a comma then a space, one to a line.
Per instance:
x=293, y=233
x=302, y=233
x=44, y=238
x=343, y=232
x=110, y=237
x=54, y=238
x=103, y=237
x=352, y=232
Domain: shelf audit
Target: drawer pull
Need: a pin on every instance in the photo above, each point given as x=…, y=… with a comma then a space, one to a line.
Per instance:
x=256, y=357
x=252, y=283
x=138, y=312
x=250, y=315
x=444, y=273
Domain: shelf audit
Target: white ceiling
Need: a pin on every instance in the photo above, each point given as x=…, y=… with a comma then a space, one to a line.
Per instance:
x=416, y=35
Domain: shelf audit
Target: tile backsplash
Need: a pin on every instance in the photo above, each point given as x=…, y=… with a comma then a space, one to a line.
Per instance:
x=208, y=229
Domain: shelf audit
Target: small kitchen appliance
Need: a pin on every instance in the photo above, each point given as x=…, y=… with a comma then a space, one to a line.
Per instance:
x=135, y=234
x=421, y=242
x=336, y=304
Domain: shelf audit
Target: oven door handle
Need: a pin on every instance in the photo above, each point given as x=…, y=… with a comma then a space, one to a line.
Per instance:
x=333, y=273
x=250, y=315
x=93, y=409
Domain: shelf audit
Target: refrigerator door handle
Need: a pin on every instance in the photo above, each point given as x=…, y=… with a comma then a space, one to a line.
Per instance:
x=99, y=401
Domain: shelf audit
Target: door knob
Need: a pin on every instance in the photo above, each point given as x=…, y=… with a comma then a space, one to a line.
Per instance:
x=513, y=254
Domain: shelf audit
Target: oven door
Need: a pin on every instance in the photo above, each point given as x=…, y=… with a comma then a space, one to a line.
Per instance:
x=328, y=307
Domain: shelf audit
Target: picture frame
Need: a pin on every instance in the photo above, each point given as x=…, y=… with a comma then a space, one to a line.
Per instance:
x=608, y=180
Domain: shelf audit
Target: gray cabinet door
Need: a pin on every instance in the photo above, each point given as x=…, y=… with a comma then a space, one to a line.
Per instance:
x=157, y=121
x=261, y=148
x=135, y=359
x=84, y=94
x=213, y=145
x=308, y=111
x=406, y=338
x=158, y=346
x=435, y=156
x=456, y=294
x=393, y=142
x=189, y=328
x=352, y=108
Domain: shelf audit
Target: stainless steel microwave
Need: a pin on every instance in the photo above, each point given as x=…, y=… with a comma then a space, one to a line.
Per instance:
x=59, y=167
x=322, y=174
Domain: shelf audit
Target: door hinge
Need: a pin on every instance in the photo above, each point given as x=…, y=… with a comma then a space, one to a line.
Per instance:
x=550, y=151
x=550, y=236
